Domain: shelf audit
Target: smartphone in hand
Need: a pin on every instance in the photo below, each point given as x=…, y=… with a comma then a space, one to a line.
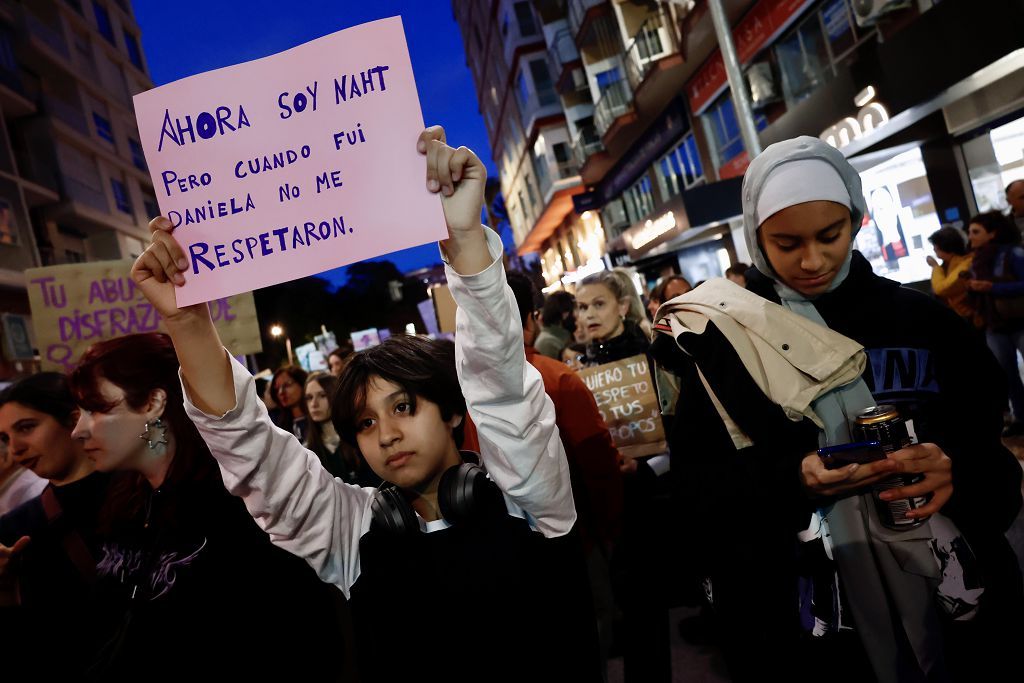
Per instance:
x=861, y=452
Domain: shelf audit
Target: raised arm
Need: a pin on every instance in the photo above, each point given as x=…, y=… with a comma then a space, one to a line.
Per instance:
x=515, y=419
x=204, y=365
x=286, y=490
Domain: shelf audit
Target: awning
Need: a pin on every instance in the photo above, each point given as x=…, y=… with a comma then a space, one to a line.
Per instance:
x=554, y=213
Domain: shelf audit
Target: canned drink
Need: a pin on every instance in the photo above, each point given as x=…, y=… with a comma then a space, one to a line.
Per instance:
x=884, y=425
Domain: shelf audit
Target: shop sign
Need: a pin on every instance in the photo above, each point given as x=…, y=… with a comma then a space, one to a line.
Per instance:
x=618, y=258
x=672, y=126
x=652, y=230
x=757, y=30
x=735, y=167
x=589, y=268
x=871, y=115
x=586, y=201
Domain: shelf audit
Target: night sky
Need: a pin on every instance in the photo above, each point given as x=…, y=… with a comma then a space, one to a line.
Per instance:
x=187, y=37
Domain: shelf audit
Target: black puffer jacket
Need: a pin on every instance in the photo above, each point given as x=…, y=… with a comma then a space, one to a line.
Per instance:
x=631, y=342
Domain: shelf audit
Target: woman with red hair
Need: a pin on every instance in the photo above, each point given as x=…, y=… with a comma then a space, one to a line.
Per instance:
x=182, y=562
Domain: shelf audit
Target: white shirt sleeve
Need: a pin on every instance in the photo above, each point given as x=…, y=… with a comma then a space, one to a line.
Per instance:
x=515, y=419
x=287, y=491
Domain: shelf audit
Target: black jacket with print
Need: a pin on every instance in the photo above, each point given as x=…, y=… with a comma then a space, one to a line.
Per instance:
x=192, y=584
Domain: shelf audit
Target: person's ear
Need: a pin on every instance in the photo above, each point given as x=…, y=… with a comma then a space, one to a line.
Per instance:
x=157, y=403
x=623, y=308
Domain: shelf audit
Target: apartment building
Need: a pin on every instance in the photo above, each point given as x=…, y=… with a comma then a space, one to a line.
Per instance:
x=74, y=185
x=532, y=95
x=923, y=97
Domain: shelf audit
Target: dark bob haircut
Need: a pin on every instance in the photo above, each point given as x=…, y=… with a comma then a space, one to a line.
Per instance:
x=949, y=239
x=423, y=368
x=528, y=298
x=46, y=392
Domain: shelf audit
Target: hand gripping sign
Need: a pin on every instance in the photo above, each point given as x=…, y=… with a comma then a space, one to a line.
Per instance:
x=628, y=403
x=293, y=164
x=76, y=305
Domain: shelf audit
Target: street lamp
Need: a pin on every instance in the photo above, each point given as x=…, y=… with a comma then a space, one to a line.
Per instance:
x=275, y=332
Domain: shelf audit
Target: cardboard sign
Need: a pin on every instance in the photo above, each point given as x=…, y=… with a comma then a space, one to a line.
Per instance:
x=76, y=305
x=293, y=164
x=628, y=403
x=365, y=339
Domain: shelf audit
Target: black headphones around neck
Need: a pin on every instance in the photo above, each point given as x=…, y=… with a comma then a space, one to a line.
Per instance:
x=464, y=494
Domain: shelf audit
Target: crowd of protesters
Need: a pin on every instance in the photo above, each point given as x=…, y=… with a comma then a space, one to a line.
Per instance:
x=462, y=512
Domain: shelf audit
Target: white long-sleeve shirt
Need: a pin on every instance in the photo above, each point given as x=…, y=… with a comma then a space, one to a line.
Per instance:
x=311, y=514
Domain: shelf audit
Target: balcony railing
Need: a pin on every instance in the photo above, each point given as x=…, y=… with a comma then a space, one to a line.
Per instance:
x=578, y=10
x=615, y=101
x=66, y=112
x=49, y=35
x=587, y=142
x=564, y=49
x=568, y=169
x=655, y=39
x=84, y=193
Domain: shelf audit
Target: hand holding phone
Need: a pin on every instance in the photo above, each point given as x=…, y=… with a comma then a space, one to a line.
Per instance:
x=861, y=452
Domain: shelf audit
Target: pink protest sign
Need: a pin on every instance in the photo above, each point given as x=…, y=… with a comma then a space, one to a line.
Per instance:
x=293, y=164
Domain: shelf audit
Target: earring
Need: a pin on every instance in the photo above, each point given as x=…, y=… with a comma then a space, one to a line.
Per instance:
x=154, y=440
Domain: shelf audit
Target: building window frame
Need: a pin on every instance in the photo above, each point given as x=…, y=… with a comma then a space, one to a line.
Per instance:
x=526, y=23
x=717, y=129
x=679, y=169
x=121, y=198
x=138, y=155
x=131, y=44
x=639, y=199
x=104, y=128
x=103, y=23
x=9, y=234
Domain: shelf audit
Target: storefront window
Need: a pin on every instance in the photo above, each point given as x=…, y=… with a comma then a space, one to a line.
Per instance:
x=901, y=217
x=679, y=169
x=995, y=160
x=803, y=60
x=704, y=261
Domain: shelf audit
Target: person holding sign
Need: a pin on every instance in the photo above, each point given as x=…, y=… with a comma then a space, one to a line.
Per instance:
x=773, y=372
x=593, y=458
x=611, y=314
x=452, y=572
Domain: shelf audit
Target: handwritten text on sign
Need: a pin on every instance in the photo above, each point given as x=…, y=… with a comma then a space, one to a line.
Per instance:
x=628, y=403
x=293, y=164
x=74, y=306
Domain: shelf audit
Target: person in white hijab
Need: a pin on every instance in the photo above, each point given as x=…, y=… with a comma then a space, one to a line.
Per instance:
x=803, y=205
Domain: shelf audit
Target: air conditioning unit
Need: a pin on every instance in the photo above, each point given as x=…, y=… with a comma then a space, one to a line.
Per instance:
x=869, y=12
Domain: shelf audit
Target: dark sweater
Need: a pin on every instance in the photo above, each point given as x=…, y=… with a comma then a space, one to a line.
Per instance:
x=193, y=584
x=55, y=577
x=486, y=601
